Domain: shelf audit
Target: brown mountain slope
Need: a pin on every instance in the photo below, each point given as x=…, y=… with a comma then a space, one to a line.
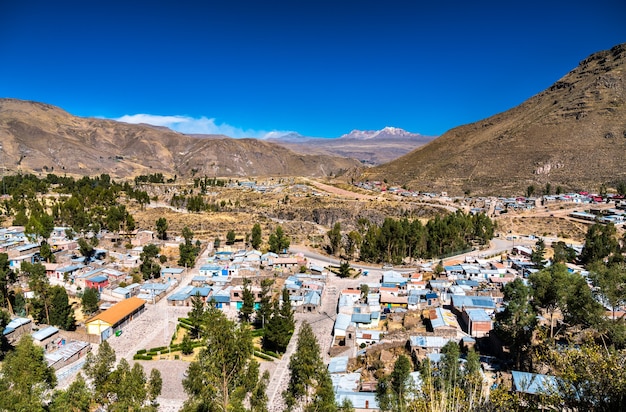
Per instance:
x=41, y=137
x=571, y=135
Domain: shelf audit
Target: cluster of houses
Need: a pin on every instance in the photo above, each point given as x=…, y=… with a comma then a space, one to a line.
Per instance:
x=458, y=305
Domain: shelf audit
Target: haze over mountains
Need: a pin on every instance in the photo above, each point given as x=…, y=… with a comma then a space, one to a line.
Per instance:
x=571, y=135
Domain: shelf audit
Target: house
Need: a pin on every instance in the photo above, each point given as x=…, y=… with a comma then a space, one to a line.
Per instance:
x=461, y=302
x=311, y=302
x=16, y=328
x=97, y=282
x=67, y=354
x=221, y=297
x=443, y=322
x=171, y=273
x=342, y=322
x=421, y=345
x=46, y=338
x=116, y=317
x=368, y=337
x=477, y=321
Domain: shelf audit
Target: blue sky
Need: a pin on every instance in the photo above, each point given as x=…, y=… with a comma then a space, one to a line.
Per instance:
x=319, y=68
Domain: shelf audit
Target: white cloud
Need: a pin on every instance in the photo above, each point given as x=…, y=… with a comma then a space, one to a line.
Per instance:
x=202, y=125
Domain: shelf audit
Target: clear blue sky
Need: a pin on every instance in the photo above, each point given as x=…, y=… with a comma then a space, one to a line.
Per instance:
x=320, y=68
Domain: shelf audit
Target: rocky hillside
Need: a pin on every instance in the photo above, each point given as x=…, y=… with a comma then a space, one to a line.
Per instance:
x=43, y=138
x=571, y=135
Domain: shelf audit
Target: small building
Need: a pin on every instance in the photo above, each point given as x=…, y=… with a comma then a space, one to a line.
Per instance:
x=16, y=328
x=97, y=282
x=114, y=318
x=67, y=354
x=171, y=273
x=477, y=321
x=45, y=338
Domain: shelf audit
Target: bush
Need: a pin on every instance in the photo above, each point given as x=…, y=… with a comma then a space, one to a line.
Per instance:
x=142, y=357
x=141, y=351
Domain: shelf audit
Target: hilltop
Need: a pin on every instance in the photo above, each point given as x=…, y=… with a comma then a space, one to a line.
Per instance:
x=571, y=135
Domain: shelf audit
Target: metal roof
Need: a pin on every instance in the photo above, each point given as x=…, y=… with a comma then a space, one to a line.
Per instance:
x=44, y=333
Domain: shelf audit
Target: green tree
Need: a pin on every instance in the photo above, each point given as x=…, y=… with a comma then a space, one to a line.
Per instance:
x=352, y=243
x=344, y=270
x=38, y=283
x=392, y=390
x=25, y=379
x=5, y=318
x=308, y=379
x=161, y=227
x=7, y=279
x=186, y=346
x=334, y=239
x=76, y=398
x=280, y=326
x=90, y=301
x=516, y=323
x=196, y=316
x=121, y=388
x=610, y=283
x=278, y=241
x=225, y=375
x=45, y=251
x=256, y=236
x=580, y=306
x=85, y=248
x=247, y=307
x=548, y=288
x=563, y=253
x=538, y=254
x=149, y=268
x=230, y=237
x=530, y=191
x=600, y=243
x=188, y=252
x=264, y=311
x=61, y=312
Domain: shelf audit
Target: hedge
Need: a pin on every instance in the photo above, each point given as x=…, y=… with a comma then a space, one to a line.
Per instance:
x=142, y=357
x=262, y=356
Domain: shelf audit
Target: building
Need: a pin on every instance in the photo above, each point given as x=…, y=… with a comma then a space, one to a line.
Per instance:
x=114, y=318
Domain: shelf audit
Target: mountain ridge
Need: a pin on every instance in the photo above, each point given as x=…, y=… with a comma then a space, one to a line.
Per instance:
x=572, y=135
x=41, y=137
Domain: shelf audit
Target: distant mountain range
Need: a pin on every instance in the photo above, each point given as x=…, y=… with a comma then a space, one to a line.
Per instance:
x=571, y=135
x=370, y=147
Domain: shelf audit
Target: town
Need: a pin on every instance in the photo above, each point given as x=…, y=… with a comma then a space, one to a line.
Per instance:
x=364, y=315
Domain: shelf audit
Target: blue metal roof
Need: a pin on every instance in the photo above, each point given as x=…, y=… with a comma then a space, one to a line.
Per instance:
x=478, y=315
x=534, y=383
x=44, y=333
x=361, y=318
x=98, y=279
x=338, y=364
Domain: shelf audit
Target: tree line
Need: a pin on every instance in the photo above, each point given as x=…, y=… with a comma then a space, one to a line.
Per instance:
x=396, y=240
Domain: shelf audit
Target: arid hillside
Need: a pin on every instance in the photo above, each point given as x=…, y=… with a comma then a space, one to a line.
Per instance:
x=43, y=138
x=571, y=135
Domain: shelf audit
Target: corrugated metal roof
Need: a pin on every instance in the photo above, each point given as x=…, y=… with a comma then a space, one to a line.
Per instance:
x=44, y=333
x=338, y=364
x=119, y=311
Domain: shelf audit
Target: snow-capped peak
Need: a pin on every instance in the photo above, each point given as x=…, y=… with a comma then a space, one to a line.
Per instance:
x=388, y=132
